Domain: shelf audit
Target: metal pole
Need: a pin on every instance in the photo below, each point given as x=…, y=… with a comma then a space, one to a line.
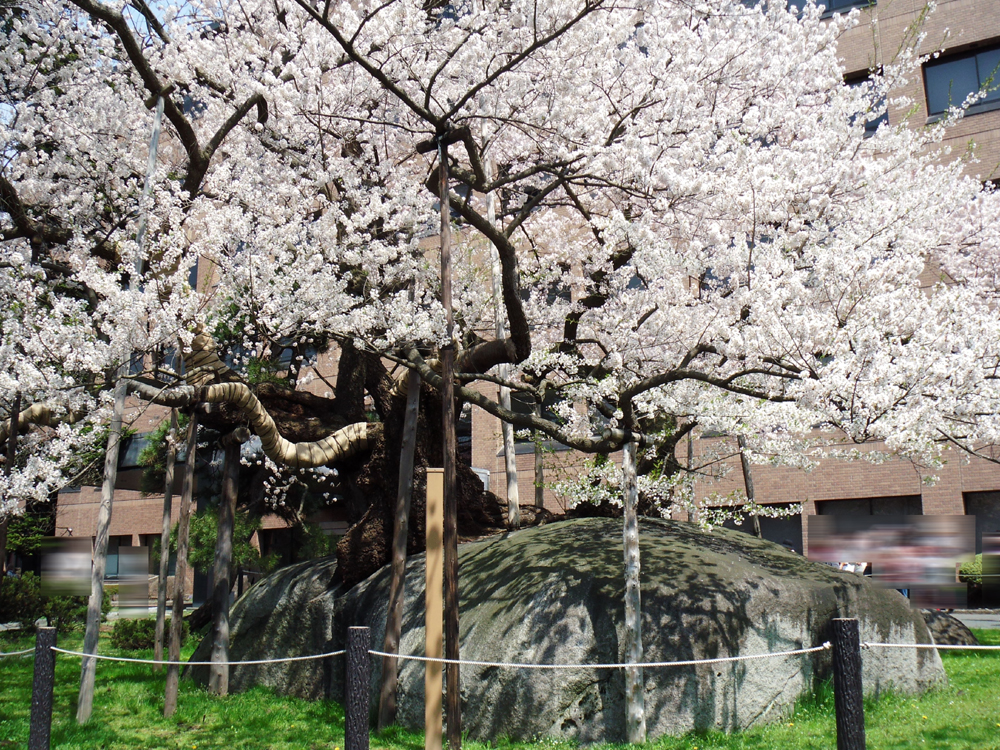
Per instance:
x=847, y=687
x=41, y=689
x=357, y=689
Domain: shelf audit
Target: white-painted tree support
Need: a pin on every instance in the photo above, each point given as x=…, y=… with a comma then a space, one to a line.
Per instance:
x=88, y=667
x=180, y=568
x=433, y=615
x=168, y=501
x=218, y=673
x=635, y=699
x=748, y=481
x=400, y=531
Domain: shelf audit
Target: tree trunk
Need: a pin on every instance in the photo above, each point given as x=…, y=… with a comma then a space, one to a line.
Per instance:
x=394, y=620
x=506, y=429
x=168, y=500
x=15, y=413
x=218, y=676
x=635, y=709
x=92, y=632
x=748, y=481
x=180, y=568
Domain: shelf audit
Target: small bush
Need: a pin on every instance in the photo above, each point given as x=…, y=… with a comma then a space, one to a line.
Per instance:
x=22, y=601
x=971, y=571
x=139, y=635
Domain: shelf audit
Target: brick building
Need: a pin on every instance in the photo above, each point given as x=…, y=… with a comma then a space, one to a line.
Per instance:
x=968, y=32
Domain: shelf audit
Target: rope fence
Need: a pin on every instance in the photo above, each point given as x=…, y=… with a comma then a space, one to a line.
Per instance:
x=687, y=662
x=845, y=644
x=197, y=663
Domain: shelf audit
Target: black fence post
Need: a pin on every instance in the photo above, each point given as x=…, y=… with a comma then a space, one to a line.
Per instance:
x=357, y=689
x=41, y=689
x=847, y=692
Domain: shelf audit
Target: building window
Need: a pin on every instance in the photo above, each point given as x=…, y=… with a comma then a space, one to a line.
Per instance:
x=829, y=6
x=873, y=124
x=949, y=82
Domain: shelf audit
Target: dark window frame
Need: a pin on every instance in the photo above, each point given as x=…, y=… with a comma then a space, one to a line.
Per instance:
x=985, y=78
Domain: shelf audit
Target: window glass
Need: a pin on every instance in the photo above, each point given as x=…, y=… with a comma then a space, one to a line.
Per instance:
x=988, y=64
x=949, y=83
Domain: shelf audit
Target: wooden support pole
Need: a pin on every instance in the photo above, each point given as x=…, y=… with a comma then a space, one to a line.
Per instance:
x=180, y=569
x=88, y=667
x=847, y=686
x=42, y=686
x=539, y=464
x=453, y=707
x=635, y=699
x=434, y=640
x=168, y=501
x=218, y=673
x=400, y=531
x=357, y=689
x=748, y=481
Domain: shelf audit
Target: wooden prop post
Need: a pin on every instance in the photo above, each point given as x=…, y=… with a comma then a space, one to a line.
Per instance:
x=433, y=621
x=847, y=688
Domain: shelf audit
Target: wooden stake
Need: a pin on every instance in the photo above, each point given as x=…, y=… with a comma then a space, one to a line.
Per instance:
x=433, y=644
x=394, y=617
x=168, y=501
x=180, y=568
x=848, y=696
x=635, y=699
x=90, y=636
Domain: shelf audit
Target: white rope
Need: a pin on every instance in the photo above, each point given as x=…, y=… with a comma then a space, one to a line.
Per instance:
x=197, y=663
x=17, y=653
x=929, y=645
x=689, y=662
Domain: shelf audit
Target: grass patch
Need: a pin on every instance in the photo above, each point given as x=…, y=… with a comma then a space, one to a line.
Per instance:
x=128, y=713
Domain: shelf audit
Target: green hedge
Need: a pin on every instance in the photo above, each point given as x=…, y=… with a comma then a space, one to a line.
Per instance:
x=22, y=601
x=138, y=635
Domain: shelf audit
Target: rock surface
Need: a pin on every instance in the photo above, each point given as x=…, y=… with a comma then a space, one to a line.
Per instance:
x=948, y=630
x=553, y=595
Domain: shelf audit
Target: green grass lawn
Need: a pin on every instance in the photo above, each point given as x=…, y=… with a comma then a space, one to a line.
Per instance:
x=128, y=708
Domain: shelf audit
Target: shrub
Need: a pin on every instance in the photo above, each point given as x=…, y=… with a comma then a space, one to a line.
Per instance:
x=971, y=571
x=22, y=601
x=138, y=635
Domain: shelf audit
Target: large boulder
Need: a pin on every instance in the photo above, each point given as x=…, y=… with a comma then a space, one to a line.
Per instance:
x=554, y=595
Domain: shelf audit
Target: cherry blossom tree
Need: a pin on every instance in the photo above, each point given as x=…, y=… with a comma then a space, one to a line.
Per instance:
x=693, y=230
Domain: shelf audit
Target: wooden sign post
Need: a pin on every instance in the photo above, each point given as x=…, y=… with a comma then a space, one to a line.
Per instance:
x=433, y=624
